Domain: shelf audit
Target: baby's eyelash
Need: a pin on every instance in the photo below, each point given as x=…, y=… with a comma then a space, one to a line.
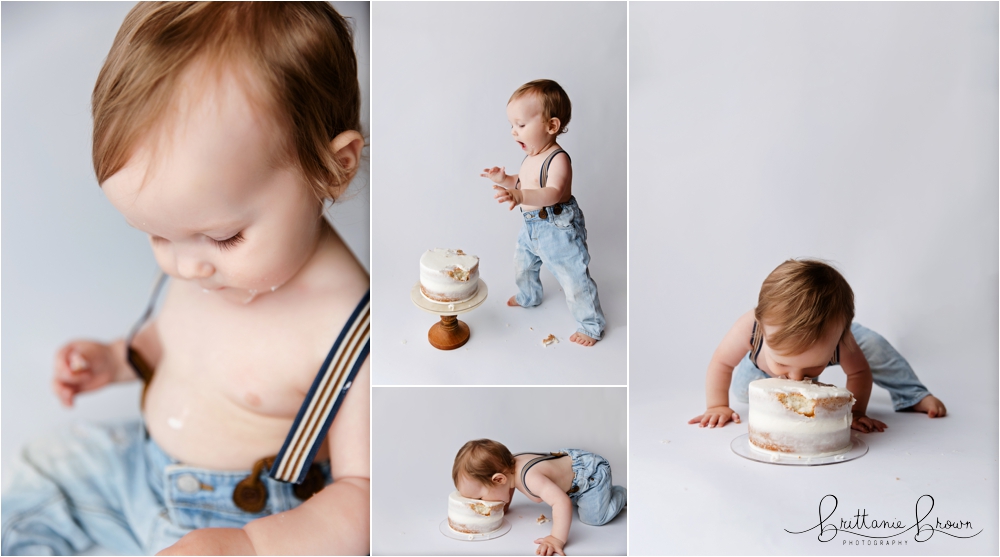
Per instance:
x=231, y=242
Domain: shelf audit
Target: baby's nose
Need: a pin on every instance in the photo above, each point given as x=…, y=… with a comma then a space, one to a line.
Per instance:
x=191, y=268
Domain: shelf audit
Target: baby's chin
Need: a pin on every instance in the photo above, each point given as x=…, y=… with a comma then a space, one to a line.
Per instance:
x=239, y=295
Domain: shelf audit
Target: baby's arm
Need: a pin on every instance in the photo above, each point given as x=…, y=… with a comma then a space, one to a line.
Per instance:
x=335, y=520
x=562, y=515
x=859, y=382
x=498, y=174
x=727, y=356
x=559, y=181
x=83, y=365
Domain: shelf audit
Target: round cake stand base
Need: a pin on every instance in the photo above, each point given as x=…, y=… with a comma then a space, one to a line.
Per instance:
x=741, y=446
x=448, y=532
x=449, y=333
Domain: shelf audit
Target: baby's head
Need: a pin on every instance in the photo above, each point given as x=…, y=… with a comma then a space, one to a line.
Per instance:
x=538, y=111
x=482, y=470
x=221, y=128
x=805, y=308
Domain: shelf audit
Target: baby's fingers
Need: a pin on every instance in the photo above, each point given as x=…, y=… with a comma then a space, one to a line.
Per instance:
x=64, y=392
x=696, y=419
x=736, y=418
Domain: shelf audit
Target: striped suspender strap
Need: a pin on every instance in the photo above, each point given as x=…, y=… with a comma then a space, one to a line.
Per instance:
x=132, y=356
x=756, y=342
x=534, y=461
x=325, y=396
x=543, y=173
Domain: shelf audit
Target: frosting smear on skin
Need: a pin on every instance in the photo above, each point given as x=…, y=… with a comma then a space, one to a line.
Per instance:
x=448, y=275
x=473, y=516
x=799, y=418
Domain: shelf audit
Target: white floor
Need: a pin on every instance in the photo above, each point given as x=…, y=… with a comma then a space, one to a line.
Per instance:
x=505, y=346
x=417, y=431
x=690, y=494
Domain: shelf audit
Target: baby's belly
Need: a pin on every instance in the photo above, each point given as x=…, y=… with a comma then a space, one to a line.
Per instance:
x=200, y=424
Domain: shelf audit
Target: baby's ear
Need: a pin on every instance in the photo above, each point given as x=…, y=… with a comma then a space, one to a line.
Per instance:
x=553, y=126
x=499, y=479
x=346, y=148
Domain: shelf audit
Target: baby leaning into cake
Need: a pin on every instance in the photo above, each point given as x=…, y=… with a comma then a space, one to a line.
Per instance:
x=554, y=232
x=487, y=471
x=801, y=325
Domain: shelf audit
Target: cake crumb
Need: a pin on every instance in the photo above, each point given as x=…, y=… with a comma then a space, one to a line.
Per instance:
x=531, y=328
x=551, y=339
x=665, y=441
x=897, y=478
x=404, y=342
x=541, y=519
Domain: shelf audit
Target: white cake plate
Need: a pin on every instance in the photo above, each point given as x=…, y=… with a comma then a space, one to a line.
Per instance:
x=741, y=446
x=449, y=308
x=448, y=532
x=449, y=333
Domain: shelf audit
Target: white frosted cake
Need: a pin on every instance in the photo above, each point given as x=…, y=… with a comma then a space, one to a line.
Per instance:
x=448, y=275
x=799, y=418
x=472, y=516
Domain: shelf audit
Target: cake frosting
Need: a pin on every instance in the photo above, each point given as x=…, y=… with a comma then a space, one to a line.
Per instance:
x=472, y=516
x=799, y=418
x=448, y=275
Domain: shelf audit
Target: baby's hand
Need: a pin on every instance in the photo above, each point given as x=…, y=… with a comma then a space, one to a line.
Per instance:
x=82, y=366
x=716, y=416
x=497, y=174
x=864, y=424
x=549, y=545
x=505, y=195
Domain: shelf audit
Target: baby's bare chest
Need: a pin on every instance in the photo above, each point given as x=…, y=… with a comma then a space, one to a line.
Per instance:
x=528, y=174
x=262, y=361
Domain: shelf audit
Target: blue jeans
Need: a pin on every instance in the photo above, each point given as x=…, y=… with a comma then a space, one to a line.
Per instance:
x=560, y=242
x=109, y=488
x=889, y=371
x=596, y=498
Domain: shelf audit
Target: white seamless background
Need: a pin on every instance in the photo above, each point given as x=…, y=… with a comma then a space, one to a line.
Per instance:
x=861, y=133
x=72, y=268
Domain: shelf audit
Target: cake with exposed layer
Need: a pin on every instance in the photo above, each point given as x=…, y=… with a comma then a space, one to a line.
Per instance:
x=799, y=418
x=448, y=275
x=472, y=516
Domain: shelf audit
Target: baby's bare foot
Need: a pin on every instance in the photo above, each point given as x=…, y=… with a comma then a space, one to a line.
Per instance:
x=512, y=302
x=583, y=339
x=931, y=406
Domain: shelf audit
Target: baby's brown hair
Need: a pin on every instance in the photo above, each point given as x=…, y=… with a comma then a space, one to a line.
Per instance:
x=480, y=459
x=299, y=58
x=555, y=101
x=803, y=298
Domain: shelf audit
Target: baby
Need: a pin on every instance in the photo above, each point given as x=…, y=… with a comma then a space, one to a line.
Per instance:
x=554, y=232
x=801, y=325
x=220, y=130
x=486, y=470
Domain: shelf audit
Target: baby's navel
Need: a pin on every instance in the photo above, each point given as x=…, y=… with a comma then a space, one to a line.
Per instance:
x=252, y=399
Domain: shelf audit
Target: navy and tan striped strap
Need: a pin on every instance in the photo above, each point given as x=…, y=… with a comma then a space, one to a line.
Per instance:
x=534, y=461
x=325, y=396
x=756, y=342
x=543, y=172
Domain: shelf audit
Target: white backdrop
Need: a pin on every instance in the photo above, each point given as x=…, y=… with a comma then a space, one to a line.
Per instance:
x=417, y=431
x=71, y=266
x=444, y=73
x=861, y=133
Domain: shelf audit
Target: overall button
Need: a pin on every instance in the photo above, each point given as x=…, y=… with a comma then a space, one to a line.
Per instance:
x=188, y=483
x=543, y=214
x=557, y=209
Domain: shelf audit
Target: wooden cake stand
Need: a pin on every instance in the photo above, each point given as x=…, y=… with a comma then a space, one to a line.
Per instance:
x=449, y=333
